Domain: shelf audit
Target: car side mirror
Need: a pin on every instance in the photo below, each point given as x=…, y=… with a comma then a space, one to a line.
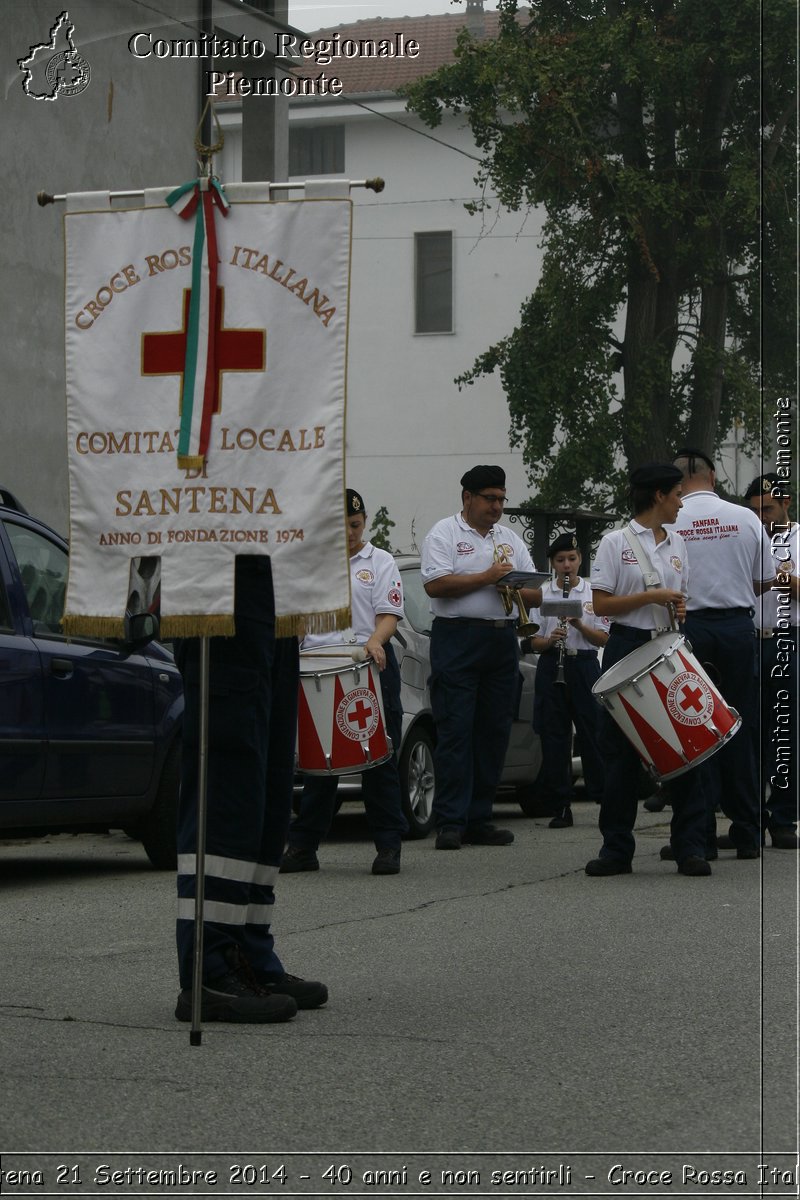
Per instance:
x=141, y=629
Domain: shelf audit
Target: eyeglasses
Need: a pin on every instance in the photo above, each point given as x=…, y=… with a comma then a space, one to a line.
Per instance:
x=492, y=499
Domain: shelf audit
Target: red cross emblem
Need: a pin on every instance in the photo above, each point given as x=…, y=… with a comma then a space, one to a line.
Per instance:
x=360, y=714
x=692, y=698
x=235, y=349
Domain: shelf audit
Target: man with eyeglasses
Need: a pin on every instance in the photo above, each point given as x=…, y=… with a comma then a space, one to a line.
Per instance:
x=474, y=657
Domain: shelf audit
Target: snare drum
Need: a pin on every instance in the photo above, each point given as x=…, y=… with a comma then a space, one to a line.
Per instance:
x=341, y=729
x=667, y=706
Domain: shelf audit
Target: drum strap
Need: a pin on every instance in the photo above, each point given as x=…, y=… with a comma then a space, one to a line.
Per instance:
x=651, y=577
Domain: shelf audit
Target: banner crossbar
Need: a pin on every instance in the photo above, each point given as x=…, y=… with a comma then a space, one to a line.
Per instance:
x=374, y=185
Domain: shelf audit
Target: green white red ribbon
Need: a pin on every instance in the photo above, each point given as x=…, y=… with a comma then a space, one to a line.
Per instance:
x=200, y=381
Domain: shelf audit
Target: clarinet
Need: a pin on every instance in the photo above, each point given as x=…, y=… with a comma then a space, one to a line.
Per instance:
x=562, y=645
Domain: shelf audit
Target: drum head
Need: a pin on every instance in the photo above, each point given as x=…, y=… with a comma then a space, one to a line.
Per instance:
x=638, y=662
x=319, y=660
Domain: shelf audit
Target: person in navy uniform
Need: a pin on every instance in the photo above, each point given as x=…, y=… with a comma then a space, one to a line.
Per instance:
x=730, y=563
x=252, y=722
x=474, y=657
x=637, y=612
x=564, y=697
x=377, y=604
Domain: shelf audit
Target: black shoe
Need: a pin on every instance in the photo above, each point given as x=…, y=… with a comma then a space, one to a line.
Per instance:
x=562, y=821
x=448, y=838
x=306, y=993
x=237, y=997
x=387, y=861
x=725, y=842
x=748, y=852
x=694, y=866
x=487, y=835
x=608, y=866
x=666, y=854
x=297, y=858
x=784, y=838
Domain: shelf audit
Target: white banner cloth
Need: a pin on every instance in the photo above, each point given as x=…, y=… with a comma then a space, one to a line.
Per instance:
x=273, y=482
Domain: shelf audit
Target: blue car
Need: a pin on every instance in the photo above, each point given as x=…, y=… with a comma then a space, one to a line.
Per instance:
x=89, y=727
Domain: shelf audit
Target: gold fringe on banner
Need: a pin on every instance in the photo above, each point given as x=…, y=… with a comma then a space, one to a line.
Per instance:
x=191, y=462
x=81, y=625
x=197, y=625
x=299, y=624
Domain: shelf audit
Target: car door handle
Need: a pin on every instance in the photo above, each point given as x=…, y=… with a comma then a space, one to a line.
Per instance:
x=62, y=667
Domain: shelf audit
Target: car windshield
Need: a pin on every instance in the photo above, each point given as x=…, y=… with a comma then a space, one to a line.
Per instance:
x=416, y=602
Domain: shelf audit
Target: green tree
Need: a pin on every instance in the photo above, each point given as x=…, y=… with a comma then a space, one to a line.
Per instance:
x=381, y=529
x=657, y=138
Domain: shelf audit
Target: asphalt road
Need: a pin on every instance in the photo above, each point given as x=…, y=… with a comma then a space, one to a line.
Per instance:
x=491, y=1010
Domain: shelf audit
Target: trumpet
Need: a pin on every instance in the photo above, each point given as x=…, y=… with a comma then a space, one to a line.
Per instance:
x=511, y=596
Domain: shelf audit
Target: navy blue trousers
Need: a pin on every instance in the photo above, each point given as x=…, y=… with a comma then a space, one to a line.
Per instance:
x=620, y=804
x=252, y=726
x=380, y=786
x=556, y=707
x=474, y=691
x=725, y=643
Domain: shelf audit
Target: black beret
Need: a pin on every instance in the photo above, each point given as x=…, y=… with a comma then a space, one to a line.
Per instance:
x=355, y=505
x=483, y=476
x=661, y=476
x=768, y=485
x=565, y=541
x=688, y=452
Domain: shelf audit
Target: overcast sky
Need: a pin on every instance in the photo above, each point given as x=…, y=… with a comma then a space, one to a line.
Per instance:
x=317, y=14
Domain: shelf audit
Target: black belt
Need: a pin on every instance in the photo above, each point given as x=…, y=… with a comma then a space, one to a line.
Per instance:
x=720, y=612
x=631, y=633
x=484, y=621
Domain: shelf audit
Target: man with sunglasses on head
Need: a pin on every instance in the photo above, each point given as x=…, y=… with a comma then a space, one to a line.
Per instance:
x=474, y=657
x=729, y=565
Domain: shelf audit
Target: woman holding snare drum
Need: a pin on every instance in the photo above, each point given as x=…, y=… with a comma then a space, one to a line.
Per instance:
x=637, y=612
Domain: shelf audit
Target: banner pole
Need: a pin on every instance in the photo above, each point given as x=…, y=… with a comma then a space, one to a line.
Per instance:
x=373, y=185
x=196, y=1032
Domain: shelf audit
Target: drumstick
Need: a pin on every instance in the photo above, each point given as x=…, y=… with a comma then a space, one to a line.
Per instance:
x=357, y=654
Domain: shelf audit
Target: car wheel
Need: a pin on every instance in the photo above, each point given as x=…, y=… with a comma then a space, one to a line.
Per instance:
x=417, y=782
x=158, y=831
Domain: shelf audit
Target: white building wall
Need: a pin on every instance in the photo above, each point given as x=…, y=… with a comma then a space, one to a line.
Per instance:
x=411, y=433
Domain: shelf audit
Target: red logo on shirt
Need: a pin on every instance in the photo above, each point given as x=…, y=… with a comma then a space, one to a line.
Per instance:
x=628, y=556
x=395, y=598
x=465, y=548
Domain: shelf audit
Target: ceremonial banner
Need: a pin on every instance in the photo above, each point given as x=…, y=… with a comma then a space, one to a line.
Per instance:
x=234, y=447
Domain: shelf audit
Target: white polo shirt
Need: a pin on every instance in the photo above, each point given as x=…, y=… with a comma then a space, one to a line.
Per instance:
x=727, y=547
x=375, y=587
x=616, y=571
x=453, y=547
x=575, y=640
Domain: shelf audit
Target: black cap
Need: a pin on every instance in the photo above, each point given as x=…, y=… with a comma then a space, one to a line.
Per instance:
x=661, y=476
x=564, y=541
x=483, y=476
x=355, y=505
x=768, y=485
x=688, y=452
